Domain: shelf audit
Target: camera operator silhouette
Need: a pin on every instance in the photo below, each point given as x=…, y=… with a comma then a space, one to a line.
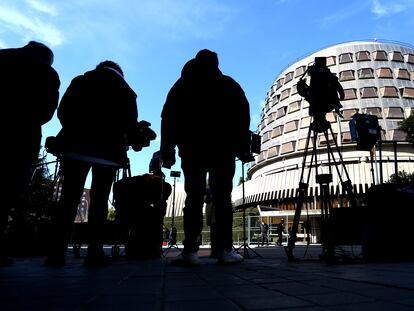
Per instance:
x=29, y=95
x=206, y=115
x=323, y=93
x=98, y=113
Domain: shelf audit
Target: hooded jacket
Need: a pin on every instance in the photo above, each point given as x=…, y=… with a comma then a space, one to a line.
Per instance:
x=205, y=113
x=97, y=112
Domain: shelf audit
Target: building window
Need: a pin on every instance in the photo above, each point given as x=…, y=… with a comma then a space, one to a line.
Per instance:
x=266, y=136
x=346, y=137
x=285, y=94
x=294, y=89
x=369, y=92
x=388, y=91
x=402, y=74
x=277, y=131
x=271, y=118
x=348, y=114
x=362, y=56
x=288, y=147
x=291, y=126
x=394, y=113
x=262, y=156
x=365, y=73
x=397, y=135
x=330, y=61
x=412, y=75
x=350, y=94
x=279, y=83
x=384, y=73
x=300, y=71
x=281, y=112
x=375, y=111
x=380, y=55
x=271, y=102
x=409, y=58
x=302, y=143
x=345, y=58
x=273, y=152
x=295, y=106
x=346, y=75
x=305, y=122
x=396, y=56
x=330, y=116
x=407, y=92
x=288, y=77
x=323, y=142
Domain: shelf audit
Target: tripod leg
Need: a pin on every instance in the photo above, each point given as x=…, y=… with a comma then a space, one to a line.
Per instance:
x=292, y=238
x=302, y=192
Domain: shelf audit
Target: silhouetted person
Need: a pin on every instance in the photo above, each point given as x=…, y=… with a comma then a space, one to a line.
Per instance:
x=98, y=113
x=29, y=95
x=206, y=115
x=264, y=229
x=280, y=229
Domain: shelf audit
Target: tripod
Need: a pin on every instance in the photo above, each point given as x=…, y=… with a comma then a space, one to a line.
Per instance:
x=245, y=245
x=172, y=243
x=320, y=125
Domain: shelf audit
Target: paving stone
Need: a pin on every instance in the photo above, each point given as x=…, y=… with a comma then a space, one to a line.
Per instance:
x=269, y=282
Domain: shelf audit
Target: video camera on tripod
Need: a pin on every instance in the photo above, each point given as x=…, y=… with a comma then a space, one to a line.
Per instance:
x=323, y=95
x=324, y=92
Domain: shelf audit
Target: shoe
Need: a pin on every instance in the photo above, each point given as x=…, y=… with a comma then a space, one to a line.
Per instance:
x=6, y=261
x=186, y=259
x=55, y=261
x=225, y=257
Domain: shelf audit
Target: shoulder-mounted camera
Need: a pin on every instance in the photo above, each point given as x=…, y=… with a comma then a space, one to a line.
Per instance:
x=141, y=136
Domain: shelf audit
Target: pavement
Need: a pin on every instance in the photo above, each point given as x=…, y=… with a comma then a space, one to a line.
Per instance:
x=265, y=280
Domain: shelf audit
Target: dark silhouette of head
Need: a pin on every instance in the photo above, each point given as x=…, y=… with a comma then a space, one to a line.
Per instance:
x=207, y=65
x=207, y=58
x=39, y=51
x=110, y=64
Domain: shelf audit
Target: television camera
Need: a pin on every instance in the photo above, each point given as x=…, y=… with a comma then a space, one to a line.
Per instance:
x=141, y=136
x=323, y=93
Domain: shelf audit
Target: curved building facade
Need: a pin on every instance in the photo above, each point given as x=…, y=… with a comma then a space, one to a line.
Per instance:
x=378, y=79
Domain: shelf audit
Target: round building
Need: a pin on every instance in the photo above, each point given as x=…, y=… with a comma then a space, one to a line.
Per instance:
x=378, y=79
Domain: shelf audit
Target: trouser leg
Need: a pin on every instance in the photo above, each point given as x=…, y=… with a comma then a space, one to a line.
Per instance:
x=74, y=177
x=195, y=188
x=15, y=190
x=102, y=179
x=221, y=185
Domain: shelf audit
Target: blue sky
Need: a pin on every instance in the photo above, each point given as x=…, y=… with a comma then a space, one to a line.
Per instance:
x=152, y=39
